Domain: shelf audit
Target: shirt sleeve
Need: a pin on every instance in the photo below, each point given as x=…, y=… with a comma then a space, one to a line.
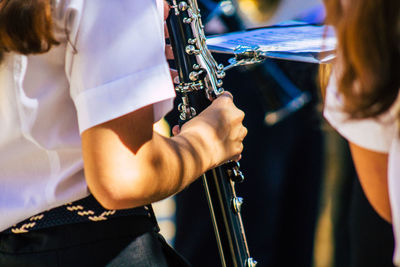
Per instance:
x=115, y=61
x=375, y=134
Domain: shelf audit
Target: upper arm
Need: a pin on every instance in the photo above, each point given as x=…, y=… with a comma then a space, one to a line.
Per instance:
x=110, y=154
x=372, y=169
x=119, y=79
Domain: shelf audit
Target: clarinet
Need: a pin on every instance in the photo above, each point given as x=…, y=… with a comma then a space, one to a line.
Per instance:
x=201, y=82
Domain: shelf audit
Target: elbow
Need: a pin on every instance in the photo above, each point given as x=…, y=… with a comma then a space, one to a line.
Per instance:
x=110, y=202
x=120, y=194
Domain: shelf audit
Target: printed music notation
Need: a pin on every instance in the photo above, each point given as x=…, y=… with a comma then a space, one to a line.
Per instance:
x=300, y=42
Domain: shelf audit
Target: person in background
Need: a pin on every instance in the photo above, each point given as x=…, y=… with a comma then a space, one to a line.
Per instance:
x=362, y=102
x=82, y=83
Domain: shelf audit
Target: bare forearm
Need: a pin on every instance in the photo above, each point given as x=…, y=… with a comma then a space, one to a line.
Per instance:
x=171, y=164
x=160, y=168
x=127, y=164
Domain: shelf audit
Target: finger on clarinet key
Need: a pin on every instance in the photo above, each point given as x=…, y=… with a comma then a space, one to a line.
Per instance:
x=174, y=76
x=176, y=130
x=168, y=52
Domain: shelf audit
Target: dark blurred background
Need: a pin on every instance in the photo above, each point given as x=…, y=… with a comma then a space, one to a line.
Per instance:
x=302, y=205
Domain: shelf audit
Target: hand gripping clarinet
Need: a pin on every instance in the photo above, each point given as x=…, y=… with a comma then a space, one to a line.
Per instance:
x=200, y=83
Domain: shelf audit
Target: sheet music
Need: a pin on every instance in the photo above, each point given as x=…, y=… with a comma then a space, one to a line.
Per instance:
x=307, y=43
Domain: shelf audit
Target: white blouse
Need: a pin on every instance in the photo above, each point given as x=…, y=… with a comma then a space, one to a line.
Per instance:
x=377, y=134
x=111, y=64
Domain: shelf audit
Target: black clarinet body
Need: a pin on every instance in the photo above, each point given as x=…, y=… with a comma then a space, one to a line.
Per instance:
x=200, y=82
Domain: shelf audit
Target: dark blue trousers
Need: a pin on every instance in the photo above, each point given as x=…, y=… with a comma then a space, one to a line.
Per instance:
x=122, y=241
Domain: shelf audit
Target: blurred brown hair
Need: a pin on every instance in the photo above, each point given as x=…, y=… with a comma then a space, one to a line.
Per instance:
x=368, y=54
x=25, y=26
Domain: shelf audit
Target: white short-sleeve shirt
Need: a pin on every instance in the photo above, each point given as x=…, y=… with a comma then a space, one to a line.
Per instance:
x=379, y=134
x=111, y=63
